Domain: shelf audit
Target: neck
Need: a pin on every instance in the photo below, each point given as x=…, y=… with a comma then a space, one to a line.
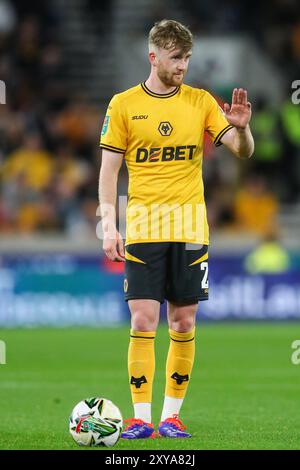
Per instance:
x=154, y=84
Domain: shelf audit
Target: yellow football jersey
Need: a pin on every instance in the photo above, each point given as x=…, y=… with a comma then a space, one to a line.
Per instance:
x=161, y=137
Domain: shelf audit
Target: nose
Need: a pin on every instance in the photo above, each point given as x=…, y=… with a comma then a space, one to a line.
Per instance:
x=181, y=65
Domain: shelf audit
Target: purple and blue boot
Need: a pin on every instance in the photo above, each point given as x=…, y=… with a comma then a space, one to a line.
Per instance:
x=138, y=429
x=172, y=427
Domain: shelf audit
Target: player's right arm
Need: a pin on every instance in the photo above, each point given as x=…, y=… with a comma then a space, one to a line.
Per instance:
x=113, y=142
x=112, y=241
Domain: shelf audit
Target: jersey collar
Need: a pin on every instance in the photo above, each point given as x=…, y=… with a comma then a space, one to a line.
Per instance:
x=159, y=95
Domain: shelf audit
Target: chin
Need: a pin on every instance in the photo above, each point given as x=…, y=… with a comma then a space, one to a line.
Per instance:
x=178, y=80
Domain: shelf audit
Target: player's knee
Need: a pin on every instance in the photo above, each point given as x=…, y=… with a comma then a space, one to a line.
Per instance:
x=183, y=325
x=143, y=320
x=182, y=319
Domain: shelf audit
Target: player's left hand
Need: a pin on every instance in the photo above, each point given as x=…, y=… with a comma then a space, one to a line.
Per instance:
x=239, y=113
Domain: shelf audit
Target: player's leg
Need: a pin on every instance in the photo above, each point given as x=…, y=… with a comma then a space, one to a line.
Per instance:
x=141, y=365
x=187, y=285
x=144, y=286
x=141, y=356
x=180, y=360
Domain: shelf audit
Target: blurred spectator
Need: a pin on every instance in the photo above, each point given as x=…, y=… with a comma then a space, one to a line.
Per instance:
x=25, y=175
x=71, y=175
x=31, y=162
x=78, y=123
x=290, y=121
x=269, y=257
x=265, y=126
x=5, y=225
x=255, y=208
x=39, y=216
x=220, y=206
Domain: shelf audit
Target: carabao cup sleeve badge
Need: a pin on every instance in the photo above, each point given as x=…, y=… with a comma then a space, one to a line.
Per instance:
x=105, y=125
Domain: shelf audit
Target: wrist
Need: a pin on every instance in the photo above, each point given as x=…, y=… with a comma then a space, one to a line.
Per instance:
x=109, y=229
x=241, y=130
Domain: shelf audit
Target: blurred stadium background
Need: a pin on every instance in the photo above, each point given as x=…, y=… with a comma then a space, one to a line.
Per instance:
x=61, y=61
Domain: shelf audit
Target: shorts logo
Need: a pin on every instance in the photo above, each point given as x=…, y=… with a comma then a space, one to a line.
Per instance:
x=165, y=128
x=105, y=125
x=125, y=285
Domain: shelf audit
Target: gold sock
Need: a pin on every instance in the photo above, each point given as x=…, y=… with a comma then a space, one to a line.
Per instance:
x=180, y=362
x=141, y=365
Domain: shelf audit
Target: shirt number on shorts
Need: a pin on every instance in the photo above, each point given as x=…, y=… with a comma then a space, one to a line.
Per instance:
x=204, y=267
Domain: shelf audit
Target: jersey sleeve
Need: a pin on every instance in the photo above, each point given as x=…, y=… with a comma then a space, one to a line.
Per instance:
x=114, y=130
x=216, y=123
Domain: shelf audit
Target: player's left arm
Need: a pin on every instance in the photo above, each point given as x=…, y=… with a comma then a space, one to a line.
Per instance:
x=239, y=139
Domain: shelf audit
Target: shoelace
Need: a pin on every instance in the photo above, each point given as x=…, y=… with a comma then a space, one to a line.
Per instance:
x=175, y=420
x=132, y=422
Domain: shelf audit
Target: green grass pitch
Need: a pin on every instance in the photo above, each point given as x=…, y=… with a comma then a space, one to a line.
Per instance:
x=244, y=391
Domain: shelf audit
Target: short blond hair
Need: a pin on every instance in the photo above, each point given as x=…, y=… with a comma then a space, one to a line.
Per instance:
x=170, y=34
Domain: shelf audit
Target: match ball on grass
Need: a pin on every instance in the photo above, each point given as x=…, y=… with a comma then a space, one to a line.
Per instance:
x=96, y=422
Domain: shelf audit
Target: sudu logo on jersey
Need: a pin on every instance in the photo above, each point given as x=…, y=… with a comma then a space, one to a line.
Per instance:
x=165, y=154
x=141, y=116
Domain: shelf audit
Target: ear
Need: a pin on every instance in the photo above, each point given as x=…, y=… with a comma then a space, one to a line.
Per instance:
x=152, y=58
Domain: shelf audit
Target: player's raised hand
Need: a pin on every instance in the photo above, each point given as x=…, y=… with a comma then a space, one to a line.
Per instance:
x=114, y=248
x=239, y=113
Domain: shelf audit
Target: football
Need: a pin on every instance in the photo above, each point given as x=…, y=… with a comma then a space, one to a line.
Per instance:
x=96, y=422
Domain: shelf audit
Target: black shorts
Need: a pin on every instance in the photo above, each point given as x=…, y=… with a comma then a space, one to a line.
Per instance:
x=166, y=270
